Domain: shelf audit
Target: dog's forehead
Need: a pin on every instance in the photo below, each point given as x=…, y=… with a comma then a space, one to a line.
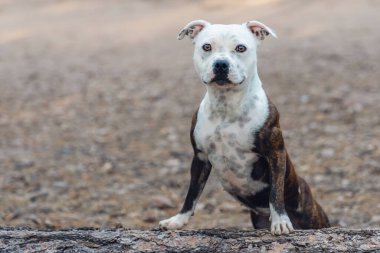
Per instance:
x=232, y=32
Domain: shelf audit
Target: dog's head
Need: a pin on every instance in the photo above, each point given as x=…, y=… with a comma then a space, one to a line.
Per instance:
x=225, y=55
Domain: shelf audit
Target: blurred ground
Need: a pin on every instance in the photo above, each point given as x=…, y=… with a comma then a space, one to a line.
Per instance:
x=96, y=99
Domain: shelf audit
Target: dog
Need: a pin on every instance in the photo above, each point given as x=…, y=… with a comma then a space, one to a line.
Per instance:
x=236, y=131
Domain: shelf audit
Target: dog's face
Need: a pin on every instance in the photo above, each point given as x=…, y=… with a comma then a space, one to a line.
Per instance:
x=225, y=55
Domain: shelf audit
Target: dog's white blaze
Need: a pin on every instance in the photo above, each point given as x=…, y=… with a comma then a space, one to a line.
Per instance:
x=225, y=134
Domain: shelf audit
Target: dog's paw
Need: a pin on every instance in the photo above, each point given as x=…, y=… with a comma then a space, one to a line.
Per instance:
x=281, y=225
x=176, y=222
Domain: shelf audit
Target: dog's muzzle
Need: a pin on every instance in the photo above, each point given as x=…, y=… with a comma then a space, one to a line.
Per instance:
x=221, y=69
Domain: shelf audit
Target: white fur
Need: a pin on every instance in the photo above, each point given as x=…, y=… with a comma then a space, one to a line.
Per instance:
x=280, y=223
x=176, y=222
x=225, y=140
x=228, y=116
x=228, y=145
x=223, y=40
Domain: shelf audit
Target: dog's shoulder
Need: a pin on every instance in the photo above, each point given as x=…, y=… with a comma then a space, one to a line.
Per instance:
x=273, y=119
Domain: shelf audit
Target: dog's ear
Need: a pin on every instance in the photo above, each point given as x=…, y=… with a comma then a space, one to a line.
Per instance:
x=260, y=30
x=192, y=29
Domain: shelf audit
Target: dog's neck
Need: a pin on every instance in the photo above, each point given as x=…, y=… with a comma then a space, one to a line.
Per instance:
x=236, y=100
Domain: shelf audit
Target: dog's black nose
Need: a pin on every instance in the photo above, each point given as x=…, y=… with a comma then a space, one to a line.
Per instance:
x=221, y=67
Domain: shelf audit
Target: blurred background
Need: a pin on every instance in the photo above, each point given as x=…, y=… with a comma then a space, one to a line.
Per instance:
x=96, y=99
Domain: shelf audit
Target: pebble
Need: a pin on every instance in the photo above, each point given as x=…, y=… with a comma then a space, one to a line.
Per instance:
x=228, y=207
x=327, y=153
x=375, y=219
x=161, y=202
x=173, y=163
x=152, y=215
x=107, y=167
x=304, y=99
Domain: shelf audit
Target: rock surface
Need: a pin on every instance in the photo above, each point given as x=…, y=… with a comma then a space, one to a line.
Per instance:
x=212, y=240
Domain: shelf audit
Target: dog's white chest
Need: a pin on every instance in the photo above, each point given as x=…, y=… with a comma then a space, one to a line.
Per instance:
x=227, y=140
x=228, y=147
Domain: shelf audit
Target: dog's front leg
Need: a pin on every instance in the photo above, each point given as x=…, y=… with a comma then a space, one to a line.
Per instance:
x=200, y=170
x=280, y=222
x=275, y=154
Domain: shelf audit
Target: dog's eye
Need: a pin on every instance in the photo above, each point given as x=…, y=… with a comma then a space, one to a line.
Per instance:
x=240, y=48
x=206, y=47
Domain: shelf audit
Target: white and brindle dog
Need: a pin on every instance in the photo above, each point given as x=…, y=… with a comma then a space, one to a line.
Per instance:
x=236, y=132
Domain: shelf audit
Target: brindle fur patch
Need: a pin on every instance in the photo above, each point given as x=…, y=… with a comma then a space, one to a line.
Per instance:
x=289, y=190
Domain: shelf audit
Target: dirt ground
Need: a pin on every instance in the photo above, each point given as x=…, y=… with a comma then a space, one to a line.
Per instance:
x=96, y=99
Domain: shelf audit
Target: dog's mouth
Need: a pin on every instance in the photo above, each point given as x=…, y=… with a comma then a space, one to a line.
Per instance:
x=225, y=81
x=221, y=80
